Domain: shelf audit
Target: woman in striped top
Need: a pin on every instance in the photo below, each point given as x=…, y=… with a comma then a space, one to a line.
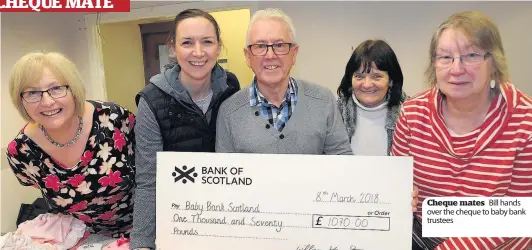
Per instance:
x=471, y=133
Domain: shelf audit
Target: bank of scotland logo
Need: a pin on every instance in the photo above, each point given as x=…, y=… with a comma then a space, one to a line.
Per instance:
x=183, y=174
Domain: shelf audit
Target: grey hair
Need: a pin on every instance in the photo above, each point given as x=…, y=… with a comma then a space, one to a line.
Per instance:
x=482, y=32
x=272, y=13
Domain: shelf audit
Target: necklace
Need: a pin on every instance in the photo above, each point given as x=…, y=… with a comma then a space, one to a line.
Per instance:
x=68, y=144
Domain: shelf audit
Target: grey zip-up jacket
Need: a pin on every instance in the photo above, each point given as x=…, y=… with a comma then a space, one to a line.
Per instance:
x=149, y=142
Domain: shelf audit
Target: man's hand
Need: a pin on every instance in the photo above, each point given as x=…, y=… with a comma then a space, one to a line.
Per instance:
x=415, y=199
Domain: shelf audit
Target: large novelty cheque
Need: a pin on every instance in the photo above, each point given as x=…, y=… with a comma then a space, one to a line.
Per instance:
x=298, y=202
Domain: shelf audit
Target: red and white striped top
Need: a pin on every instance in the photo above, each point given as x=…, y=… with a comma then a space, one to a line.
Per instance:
x=493, y=160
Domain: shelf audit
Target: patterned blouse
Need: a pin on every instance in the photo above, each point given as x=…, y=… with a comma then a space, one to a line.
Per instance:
x=98, y=189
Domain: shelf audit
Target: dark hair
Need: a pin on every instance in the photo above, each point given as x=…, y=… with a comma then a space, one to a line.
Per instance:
x=380, y=53
x=190, y=13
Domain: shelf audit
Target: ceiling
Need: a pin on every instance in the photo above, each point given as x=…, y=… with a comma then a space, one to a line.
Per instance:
x=146, y=4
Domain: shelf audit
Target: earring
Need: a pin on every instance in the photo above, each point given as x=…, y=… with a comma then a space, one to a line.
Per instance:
x=389, y=94
x=492, y=83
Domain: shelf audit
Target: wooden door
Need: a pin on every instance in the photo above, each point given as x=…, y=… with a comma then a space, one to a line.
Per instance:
x=155, y=50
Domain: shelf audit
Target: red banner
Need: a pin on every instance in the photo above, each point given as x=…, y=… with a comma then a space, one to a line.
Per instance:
x=64, y=5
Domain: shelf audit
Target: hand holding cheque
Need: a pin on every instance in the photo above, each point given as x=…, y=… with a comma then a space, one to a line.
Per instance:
x=299, y=202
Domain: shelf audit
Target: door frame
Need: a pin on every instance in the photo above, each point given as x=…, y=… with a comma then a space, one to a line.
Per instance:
x=96, y=81
x=149, y=31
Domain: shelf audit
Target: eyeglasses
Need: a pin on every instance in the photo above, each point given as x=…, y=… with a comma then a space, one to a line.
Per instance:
x=36, y=95
x=277, y=48
x=470, y=59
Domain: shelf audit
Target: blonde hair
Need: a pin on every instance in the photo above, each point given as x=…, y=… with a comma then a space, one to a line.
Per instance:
x=271, y=13
x=28, y=71
x=482, y=32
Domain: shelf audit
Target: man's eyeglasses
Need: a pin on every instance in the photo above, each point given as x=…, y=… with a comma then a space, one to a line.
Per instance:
x=277, y=48
x=36, y=95
x=470, y=59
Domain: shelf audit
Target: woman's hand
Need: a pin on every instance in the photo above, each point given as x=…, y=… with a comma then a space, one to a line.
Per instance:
x=415, y=199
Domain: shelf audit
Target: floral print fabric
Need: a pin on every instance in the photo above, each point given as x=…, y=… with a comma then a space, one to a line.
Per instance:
x=98, y=189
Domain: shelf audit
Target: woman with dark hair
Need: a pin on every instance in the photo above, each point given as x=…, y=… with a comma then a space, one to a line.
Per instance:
x=177, y=111
x=370, y=97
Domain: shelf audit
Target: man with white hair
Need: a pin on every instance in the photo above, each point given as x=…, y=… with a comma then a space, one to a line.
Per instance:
x=278, y=114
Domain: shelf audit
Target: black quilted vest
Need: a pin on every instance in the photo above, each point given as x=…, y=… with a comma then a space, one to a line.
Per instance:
x=184, y=129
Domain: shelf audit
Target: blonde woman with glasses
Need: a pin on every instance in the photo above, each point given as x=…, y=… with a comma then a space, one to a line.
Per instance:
x=79, y=153
x=471, y=133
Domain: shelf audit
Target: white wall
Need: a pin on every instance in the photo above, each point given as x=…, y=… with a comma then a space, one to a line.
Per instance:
x=327, y=30
x=23, y=33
